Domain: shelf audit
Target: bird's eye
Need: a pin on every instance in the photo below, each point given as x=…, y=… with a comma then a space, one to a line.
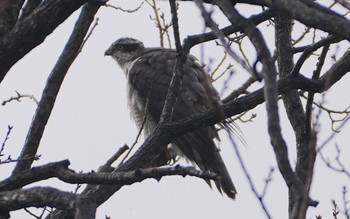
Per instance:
x=119, y=47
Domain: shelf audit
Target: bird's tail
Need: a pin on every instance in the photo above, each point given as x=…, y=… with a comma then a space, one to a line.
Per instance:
x=199, y=147
x=224, y=183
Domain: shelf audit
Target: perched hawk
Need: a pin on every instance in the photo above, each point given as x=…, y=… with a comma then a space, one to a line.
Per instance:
x=148, y=72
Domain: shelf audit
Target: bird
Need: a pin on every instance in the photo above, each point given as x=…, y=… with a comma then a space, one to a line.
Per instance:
x=148, y=72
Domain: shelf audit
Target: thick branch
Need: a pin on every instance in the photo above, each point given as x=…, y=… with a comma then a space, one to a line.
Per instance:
x=270, y=92
x=28, y=8
x=337, y=71
x=30, y=32
x=53, y=85
x=46, y=196
x=295, y=113
x=9, y=11
x=314, y=15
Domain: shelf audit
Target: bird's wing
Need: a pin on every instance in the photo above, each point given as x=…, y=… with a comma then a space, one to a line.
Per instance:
x=150, y=76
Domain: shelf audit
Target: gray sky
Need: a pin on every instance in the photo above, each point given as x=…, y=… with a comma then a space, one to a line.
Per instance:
x=90, y=122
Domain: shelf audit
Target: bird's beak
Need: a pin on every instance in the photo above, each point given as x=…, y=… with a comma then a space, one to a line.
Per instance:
x=108, y=52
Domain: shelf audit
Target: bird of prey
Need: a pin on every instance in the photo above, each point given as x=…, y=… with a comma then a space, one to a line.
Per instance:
x=149, y=72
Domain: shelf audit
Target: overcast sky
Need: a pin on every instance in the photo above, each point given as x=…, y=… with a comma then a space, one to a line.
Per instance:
x=90, y=121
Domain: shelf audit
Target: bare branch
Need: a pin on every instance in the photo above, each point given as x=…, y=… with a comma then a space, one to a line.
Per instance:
x=337, y=71
x=19, y=97
x=221, y=36
x=137, y=137
x=53, y=85
x=28, y=8
x=157, y=19
x=341, y=168
x=315, y=46
x=175, y=82
x=314, y=15
x=9, y=128
x=60, y=170
x=205, y=37
x=46, y=196
x=345, y=203
x=312, y=48
x=247, y=175
x=89, y=34
x=241, y=90
x=9, y=11
x=325, y=143
x=111, y=160
x=125, y=10
x=344, y=3
x=30, y=32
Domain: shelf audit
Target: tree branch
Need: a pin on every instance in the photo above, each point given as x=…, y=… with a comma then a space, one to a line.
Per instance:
x=314, y=15
x=61, y=171
x=82, y=207
x=9, y=11
x=30, y=32
x=296, y=116
x=308, y=50
x=337, y=71
x=205, y=37
x=28, y=8
x=271, y=96
x=53, y=85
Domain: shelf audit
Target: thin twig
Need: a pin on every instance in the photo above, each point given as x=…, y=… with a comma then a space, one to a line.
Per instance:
x=89, y=34
x=341, y=168
x=165, y=29
x=241, y=90
x=125, y=10
x=157, y=20
x=312, y=48
x=332, y=135
x=302, y=36
x=221, y=36
x=32, y=214
x=9, y=128
x=345, y=203
x=267, y=181
x=136, y=139
x=18, y=98
x=10, y=160
x=252, y=187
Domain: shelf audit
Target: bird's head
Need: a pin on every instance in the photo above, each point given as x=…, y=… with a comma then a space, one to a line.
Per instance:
x=124, y=50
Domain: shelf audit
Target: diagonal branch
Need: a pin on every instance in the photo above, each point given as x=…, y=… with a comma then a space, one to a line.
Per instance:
x=178, y=71
x=53, y=85
x=9, y=11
